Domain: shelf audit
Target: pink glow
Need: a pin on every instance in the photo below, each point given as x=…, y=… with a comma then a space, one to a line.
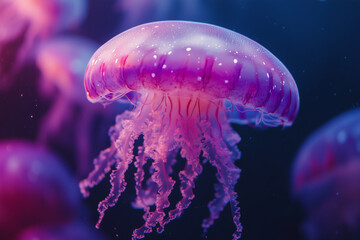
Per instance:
x=184, y=74
x=35, y=188
x=70, y=231
x=23, y=23
x=62, y=62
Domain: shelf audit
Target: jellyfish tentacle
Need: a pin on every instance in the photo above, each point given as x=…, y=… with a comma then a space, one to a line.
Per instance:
x=220, y=156
x=215, y=206
x=157, y=145
x=165, y=184
x=145, y=197
x=188, y=175
x=108, y=157
x=117, y=177
x=118, y=186
x=102, y=165
x=139, y=177
x=148, y=194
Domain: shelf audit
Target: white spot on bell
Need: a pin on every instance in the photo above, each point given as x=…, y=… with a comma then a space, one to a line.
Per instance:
x=188, y=49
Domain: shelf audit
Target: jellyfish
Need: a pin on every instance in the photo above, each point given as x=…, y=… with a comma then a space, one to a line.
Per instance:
x=190, y=78
x=62, y=63
x=35, y=188
x=326, y=176
x=24, y=23
x=70, y=231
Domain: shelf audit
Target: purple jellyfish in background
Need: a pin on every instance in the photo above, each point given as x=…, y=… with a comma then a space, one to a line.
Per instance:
x=70, y=231
x=23, y=23
x=326, y=179
x=35, y=189
x=186, y=76
x=62, y=62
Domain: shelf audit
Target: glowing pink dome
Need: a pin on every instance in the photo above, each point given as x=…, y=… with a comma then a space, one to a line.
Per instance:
x=198, y=58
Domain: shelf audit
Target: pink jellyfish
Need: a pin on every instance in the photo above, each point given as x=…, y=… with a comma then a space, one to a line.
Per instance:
x=62, y=63
x=23, y=23
x=35, y=188
x=187, y=75
x=326, y=179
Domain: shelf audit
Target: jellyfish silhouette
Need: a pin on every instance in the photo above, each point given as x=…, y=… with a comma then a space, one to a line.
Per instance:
x=24, y=23
x=326, y=178
x=35, y=188
x=62, y=63
x=186, y=75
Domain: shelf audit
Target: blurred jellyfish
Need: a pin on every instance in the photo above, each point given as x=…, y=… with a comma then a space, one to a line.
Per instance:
x=70, y=231
x=35, y=188
x=183, y=73
x=24, y=23
x=62, y=62
x=326, y=179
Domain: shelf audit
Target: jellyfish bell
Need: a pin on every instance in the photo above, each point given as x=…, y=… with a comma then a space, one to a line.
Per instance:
x=183, y=73
x=24, y=23
x=325, y=178
x=223, y=64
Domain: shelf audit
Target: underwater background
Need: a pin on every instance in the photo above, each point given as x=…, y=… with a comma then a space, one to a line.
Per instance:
x=318, y=41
